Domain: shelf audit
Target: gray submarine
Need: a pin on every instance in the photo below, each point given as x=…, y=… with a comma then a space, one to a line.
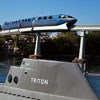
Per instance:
x=38, y=79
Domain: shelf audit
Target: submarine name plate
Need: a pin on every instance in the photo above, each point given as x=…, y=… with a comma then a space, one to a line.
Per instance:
x=39, y=81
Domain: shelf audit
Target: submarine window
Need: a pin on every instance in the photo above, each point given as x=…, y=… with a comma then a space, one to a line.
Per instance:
x=16, y=79
x=10, y=78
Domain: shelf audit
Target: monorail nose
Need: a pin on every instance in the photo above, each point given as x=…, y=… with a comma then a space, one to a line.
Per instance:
x=71, y=23
x=74, y=21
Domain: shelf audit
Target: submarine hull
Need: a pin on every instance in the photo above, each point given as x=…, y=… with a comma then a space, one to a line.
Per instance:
x=46, y=80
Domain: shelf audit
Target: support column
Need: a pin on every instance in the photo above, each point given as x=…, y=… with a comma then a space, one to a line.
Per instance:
x=37, y=45
x=82, y=45
x=82, y=52
x=37, y=48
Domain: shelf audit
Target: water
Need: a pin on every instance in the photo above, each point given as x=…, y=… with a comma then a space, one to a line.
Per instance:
x=6, y=62
x=3, y=72
x=95, y=83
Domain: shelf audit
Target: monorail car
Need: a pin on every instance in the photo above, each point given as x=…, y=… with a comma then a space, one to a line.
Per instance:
x=40, y=21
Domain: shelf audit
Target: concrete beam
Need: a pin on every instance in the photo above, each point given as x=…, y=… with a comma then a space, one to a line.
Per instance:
x=86, y=28
x=58, y=28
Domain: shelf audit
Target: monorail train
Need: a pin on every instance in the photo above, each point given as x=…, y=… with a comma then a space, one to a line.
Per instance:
x=40, y=21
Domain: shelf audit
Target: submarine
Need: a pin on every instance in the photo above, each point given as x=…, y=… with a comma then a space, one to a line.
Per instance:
x=37, y=79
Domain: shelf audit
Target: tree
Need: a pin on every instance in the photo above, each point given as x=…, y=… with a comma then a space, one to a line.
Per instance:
x=2, y=41
x=63, y=43
x=93, y=43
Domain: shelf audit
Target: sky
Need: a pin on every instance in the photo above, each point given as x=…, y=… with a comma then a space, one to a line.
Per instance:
x=86, y=11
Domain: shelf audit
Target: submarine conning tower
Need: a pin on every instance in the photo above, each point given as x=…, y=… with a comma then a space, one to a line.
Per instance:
x=46, y=80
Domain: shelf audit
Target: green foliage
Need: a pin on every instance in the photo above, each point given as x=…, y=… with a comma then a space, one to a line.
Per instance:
x=16, y=41
x=93, y=43
x=2, y=41
x=63, y=43
x=8, y=37
x=27, y=48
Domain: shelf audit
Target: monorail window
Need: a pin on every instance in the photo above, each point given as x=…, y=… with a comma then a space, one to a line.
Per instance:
x=33, y=18
x=50, y=17
x=45, y=17
x=63, y=16
x=25, y=20
x=70, y=16
x=14, y=22
x=6, y=23
x=59, y=17
x=39, y=18
x=29, y=20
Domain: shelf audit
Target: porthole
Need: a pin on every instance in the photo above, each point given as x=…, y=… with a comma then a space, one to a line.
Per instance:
x=16, y=79
x=10, y=78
